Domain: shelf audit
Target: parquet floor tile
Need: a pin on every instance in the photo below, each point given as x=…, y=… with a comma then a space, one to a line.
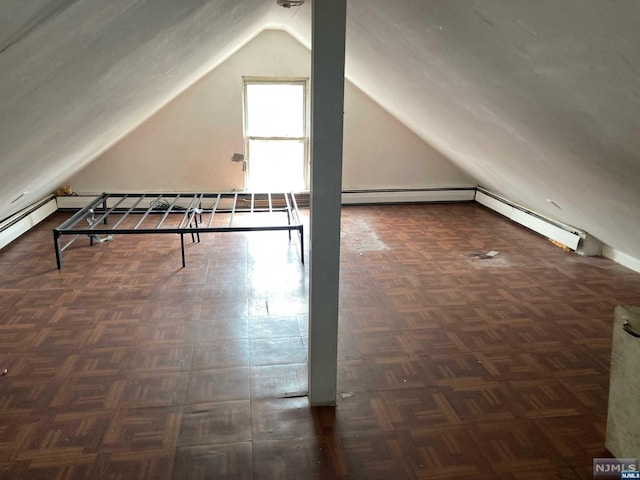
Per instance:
x=269, y=327
x=482, y=402
x=157, y=388
x=221, y=353
x=376, y=456
x=592, y=391
x=450, y=454
x=516, y=446
x=451, y=364
x=220, y=384
x=304, y=459
x=353, y=376
x=135, y=465
x=142, y=429
x=222, y=328
x=218, y=423
x=212, y=461
x=279, y=381
x=434, y=340
x=90, y=393
x=544, y=398
x=281, y=418
x=279, y=350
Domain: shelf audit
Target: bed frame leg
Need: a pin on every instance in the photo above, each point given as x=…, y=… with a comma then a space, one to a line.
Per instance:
x=301, y=244
x=56, y=245
x=182, y=248
x=197, y=233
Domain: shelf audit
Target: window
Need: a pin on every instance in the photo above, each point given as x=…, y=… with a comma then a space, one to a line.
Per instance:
x=275, y=135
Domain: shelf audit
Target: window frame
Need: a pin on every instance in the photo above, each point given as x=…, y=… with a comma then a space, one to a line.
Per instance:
x=304, y=81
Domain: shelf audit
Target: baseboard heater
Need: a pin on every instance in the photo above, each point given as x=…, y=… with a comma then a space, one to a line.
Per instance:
x=422, y=195
x=572, y=237
x=21, y=222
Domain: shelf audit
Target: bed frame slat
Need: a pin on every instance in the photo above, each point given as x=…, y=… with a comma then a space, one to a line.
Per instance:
x=233, y=208
x=146, y=214
x=122, y=219
x=166, y=214
x=104, y=216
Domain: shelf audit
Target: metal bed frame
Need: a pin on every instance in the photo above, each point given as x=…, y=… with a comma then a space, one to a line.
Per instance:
x=193, y=220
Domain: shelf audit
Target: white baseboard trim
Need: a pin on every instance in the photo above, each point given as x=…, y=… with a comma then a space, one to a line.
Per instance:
x=621, y=258
x=74, y=202
x=349, y=197
x=14, y=226
x=565, y=234
x=364, y=197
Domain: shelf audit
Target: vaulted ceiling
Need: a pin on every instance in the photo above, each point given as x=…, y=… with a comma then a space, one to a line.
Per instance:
x=539, y=101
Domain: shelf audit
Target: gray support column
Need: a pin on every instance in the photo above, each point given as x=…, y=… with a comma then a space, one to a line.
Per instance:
x=327, y=108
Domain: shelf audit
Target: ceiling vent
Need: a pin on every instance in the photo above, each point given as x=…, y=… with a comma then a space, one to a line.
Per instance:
x=289, y=3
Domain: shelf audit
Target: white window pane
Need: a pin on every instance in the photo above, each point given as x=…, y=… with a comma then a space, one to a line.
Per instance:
x=276, y=165
x=275, y=110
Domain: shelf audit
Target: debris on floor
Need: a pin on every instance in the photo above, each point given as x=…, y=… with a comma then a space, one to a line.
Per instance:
x=482, y=256
x=562, y=246
x=361, y=237
x=295, y=395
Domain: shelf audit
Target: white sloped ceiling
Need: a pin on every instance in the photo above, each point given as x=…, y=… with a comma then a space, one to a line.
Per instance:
x=77, y=75
x=538, y=100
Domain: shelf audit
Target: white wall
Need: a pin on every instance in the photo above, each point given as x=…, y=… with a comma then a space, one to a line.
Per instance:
x=187, y=145
x=380, y=152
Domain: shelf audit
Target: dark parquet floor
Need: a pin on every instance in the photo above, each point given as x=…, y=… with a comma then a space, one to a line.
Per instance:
x=126, y=366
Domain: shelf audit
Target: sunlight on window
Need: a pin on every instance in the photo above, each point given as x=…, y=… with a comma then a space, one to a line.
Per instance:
x=275, y=110
x=276, y=165
x=275, y=135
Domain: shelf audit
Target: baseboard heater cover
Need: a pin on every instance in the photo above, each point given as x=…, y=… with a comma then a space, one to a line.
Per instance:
x=572, y=237
x=14, y=226
x=421, y=195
